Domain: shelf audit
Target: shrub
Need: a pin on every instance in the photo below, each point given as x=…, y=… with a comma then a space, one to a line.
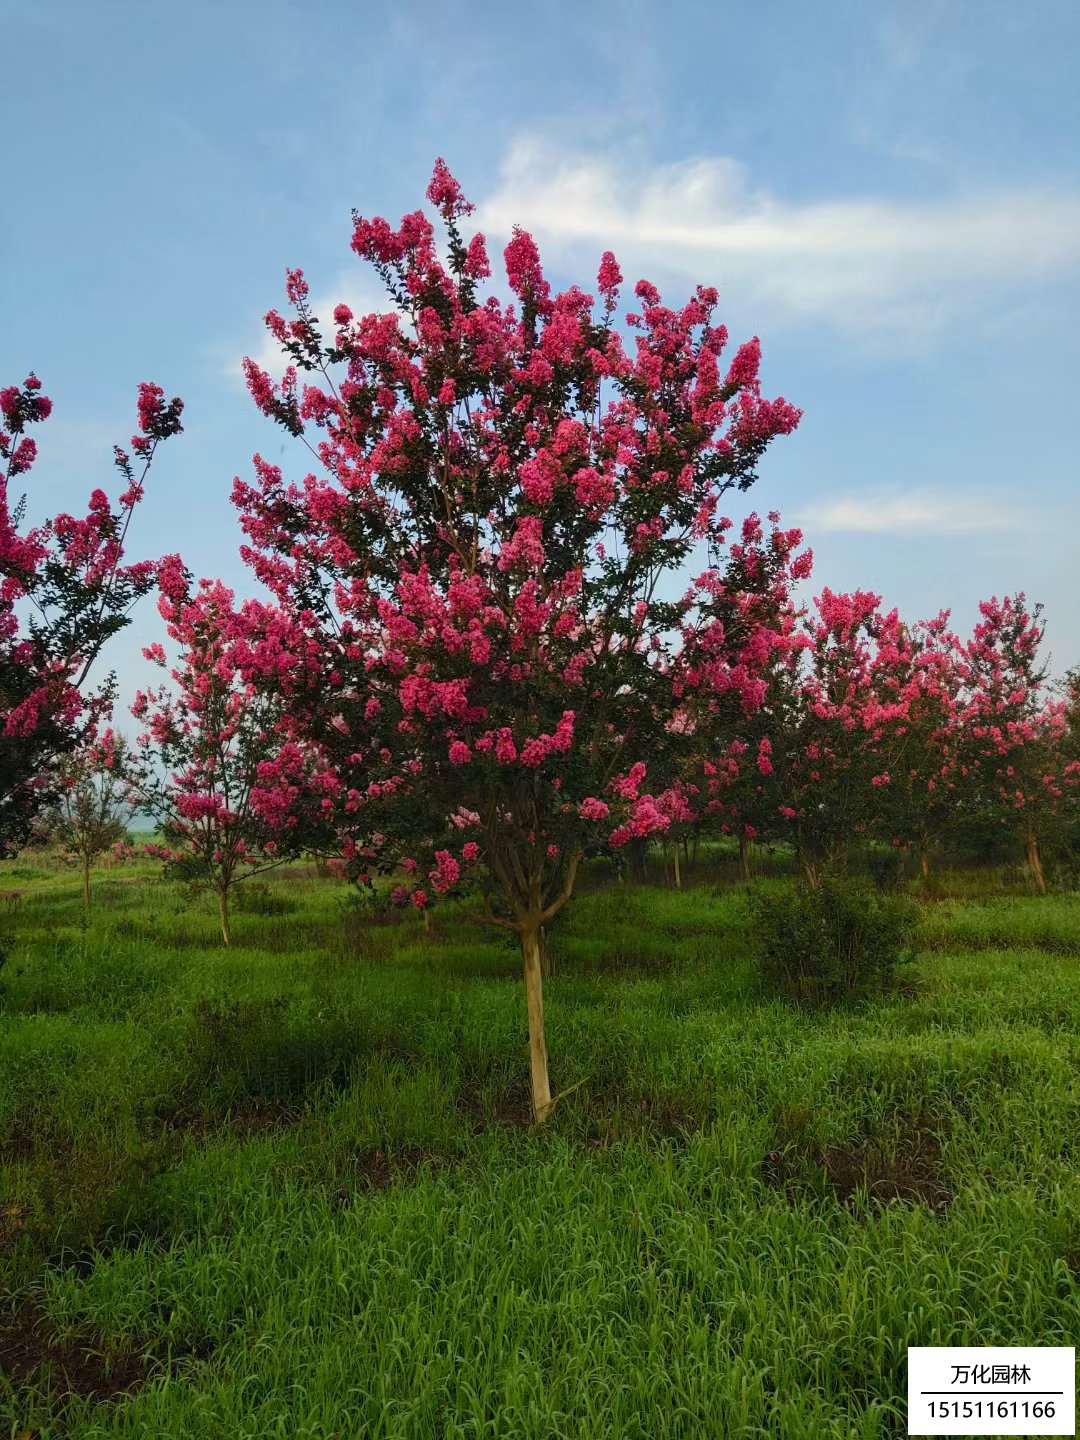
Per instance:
x=839, y=941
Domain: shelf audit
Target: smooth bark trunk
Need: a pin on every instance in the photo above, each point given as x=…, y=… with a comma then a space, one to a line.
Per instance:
x=1035, y=862
x=678, y=872
x=86, y=881
x=223, y=912
x=744, y=857
x=924, y=862
x=534, y=999
x=546, y=968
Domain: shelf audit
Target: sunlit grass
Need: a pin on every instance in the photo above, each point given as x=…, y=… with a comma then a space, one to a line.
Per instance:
x=295, y=1173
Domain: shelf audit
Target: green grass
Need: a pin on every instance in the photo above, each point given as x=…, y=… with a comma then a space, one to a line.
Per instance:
x=286, y=1190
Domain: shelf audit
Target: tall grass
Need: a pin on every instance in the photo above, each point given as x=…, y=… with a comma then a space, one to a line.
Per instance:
x=296, y=1177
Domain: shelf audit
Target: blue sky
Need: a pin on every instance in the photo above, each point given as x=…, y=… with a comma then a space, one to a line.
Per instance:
x=888, y=194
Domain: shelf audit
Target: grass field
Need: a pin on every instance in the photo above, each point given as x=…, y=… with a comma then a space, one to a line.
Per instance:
x=290, y=1189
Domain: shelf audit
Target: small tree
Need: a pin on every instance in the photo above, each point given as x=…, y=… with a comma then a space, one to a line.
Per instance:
x=93, y=810
x=1014, y=756
x=733, y=674
x=216, y=765
x=817, y=770
x=502, y=491
x=928, y=680
x=64, y=590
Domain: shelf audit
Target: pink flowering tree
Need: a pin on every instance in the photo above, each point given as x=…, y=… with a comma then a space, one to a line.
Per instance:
x=64, y=591
x=1070, y=757
x=216, y=764
x=1014, y=755
x=926, y=680
x=825, y=766
x=93, y=807
x=500, y=486
x=740, y=646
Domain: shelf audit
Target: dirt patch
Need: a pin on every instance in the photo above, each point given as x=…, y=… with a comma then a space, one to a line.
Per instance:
x=646, y=1119
x=343, y=1178
x=12, y=1226
x=670, y=1117
x=509, y=1112
x=908, y=1168
x=379, y=1169
x=76, y=1198
x=253, y=1116
x=258, y=1115
x=34, y=1354
x=597, y=1117
x=18, y=1145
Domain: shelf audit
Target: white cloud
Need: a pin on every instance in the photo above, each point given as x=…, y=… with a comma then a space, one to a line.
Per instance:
x=912, y=512
x=863, y=263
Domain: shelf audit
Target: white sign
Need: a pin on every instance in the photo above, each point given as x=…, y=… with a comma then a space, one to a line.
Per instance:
x=991, y=1390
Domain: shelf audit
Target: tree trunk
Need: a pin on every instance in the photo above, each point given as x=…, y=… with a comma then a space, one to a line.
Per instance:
x=86, y=881
x=637, y=857
x=924, y=862
x=534, y=999
x=744, y=857
x=546, y=967
x=223, y=911
x=678, y=872
x=810, y=868
x=427, y=920
x=1035, y=862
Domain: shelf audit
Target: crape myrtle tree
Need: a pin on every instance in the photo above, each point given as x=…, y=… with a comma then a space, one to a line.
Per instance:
x=1070, y=752
x=929, y=677
x=733, y=673
x=839, y=711
x=93, y=807
x=216, y=764
x=64, y=590
x=1014, y=754
x=501, y=487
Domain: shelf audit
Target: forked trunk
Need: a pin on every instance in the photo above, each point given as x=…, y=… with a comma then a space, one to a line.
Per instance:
x=223, y=912
x=678, y=872
x=534, y=999
x=86, y=881
x=1035, y=862
x=811, y=869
